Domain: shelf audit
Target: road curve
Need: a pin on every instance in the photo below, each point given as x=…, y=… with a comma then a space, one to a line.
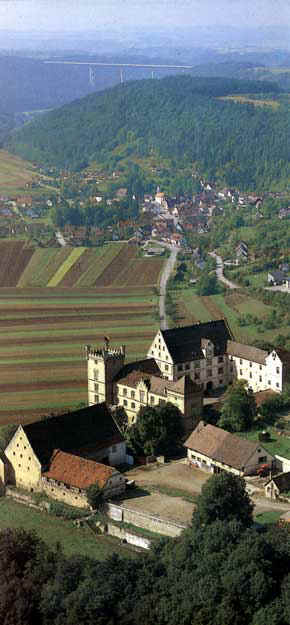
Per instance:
x=168, y=268
x=220, y=272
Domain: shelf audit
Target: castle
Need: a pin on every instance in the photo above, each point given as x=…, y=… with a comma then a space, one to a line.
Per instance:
x=182, y=363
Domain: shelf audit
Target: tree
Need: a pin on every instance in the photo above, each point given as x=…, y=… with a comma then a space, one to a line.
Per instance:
x=208, y=284
x=157, y=430
x=239, y=408
x=223, y=497
x=94, y=496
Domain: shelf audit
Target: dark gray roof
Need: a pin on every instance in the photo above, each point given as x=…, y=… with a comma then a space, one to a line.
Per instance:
x=277, y=275
x=90, y=427
x=185, y=343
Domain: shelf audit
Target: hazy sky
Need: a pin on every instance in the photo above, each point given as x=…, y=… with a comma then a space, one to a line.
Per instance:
x=82, y=15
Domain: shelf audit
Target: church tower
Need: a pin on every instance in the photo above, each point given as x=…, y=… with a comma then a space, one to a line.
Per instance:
x=103, y=365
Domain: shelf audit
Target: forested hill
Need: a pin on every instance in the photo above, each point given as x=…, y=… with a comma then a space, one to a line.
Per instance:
x=181, y=118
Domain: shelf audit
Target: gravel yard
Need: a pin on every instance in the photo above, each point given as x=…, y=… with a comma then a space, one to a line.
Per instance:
x=163, y=506
x=174, y=475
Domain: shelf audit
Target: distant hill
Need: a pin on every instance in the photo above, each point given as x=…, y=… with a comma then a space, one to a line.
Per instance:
x=181, y=118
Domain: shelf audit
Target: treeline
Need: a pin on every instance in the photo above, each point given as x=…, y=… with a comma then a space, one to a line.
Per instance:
x=219, y=572
x=179, y=118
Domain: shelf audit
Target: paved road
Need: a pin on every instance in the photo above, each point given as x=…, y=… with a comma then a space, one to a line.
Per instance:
x=60, y=238
x=168, y=268
x=220, y=272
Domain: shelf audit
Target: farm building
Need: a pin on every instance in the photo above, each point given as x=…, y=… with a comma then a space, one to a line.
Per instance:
x=214, y=450
x=90, y=433
x=68, y=477
x=277, y=485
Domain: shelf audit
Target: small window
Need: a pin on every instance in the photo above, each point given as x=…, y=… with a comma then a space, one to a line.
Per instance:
x=166, y=367
x=180, y=368
x=142, y=396
x=132, y=394
x=28, y=468
x=19, y=466
x=14, y=453
x=260, y=367
x=162, y=402
x=260, y=378
x=152, y=399
x=251, y=375
x=96, y=399
x=187, y=367
x=125, y=392
x=132, y=404
x=159, y=354
x=241, y=372
x=269, y=382
x=21, y=456
x=24, y=447
x=152, y=351
x=277, y=384
x=220, y=370
x=262, y=459
x=277, y=370
x=209, y=373
x=96, y=374
x=96, y=387
x=196, y=376
x=241, y=362
x=220, y=359
x=125, y=402
x=251, y=364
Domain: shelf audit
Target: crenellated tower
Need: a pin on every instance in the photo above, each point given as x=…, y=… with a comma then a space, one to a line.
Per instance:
x=103, y=365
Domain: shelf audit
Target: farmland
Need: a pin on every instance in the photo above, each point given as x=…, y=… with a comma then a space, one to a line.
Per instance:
x=192, y=308
x=116, y=264
x=16, y=173
x=43, y=328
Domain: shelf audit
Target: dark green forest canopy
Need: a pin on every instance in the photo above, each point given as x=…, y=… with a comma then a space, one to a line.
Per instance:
x=180, y=118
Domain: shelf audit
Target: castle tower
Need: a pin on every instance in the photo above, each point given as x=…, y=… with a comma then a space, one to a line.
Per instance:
x=103, y=365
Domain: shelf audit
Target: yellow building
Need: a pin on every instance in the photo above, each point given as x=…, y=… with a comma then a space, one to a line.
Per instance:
x=90, y=433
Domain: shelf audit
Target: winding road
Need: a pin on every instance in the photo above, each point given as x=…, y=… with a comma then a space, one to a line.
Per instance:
x=220, y=271
x=168, y=268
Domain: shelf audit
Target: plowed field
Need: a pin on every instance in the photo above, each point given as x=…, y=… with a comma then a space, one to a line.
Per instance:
x=14, y=257
x=42, y=338
x=117, y=267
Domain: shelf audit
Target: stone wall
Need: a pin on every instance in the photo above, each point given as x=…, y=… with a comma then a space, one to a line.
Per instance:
x=129, y=537
x=144, y=520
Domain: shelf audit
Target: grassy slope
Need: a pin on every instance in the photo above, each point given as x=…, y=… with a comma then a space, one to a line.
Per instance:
x=52, y=530
x=65, y=267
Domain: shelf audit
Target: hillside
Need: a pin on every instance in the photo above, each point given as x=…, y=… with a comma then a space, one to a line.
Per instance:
x=180, y=118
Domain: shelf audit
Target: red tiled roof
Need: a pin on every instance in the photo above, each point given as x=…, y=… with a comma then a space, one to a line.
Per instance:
x=76, y=471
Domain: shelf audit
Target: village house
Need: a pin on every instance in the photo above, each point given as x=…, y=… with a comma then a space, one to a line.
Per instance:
x=215, y=450
x=90, y=433
x=275, y=277
x=261, y=369
x=69, y=476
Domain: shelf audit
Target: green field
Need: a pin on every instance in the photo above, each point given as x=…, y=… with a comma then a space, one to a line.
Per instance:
x=52, y=530
x=277, y=445
x=231, y=305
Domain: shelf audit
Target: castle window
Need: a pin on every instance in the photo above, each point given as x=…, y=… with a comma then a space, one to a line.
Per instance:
x=260, y=367
x=14, y=453
x=209, y=373
x=125, y=402
x=241, y=362
x=28, y=468
x=162, y=402
x=277, y=370
x=251, y=364
x=251, y=375
x=152, y=351
x=19, y=466
x=29, y=458
x=220, y=370
x=97, y=399
x=142, y=396
x=241, y=372
x=166, y=357
x=132, y=404
x=21, y=456
x=269, y=382
x=152, y=399
x=96, y=374
x=24, y=447
x=125, y=392
x=277, y=384
x=96, y=387
x=132, y=394
x=166, y=367
x=260, y=378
